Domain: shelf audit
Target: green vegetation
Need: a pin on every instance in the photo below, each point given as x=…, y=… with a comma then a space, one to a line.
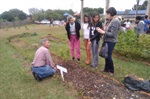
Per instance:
x=16, y=80
x=132, y=47
x=13, y=15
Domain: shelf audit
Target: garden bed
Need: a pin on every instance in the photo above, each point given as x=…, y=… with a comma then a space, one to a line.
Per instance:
x=94, y=85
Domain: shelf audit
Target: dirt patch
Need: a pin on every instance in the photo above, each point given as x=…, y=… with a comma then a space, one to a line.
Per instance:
x=19, y=43
x=95, y=85
x=51, y=38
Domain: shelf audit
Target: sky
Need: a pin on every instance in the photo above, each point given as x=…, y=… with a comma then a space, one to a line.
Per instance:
x=75, y=5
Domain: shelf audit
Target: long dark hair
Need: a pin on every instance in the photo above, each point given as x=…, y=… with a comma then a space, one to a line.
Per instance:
x=93, y=22
x=89, y=18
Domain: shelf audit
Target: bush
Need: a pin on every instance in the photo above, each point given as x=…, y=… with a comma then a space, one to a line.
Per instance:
x=132, y=47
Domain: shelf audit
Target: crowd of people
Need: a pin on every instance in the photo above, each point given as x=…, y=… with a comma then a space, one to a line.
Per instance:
x=93, y=32
x=141, y=25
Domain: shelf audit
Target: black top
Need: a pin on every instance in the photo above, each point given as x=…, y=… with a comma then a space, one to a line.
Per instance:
x=77, y=29
x=94, y=34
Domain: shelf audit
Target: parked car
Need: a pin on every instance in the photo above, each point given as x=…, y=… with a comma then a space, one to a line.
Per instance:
x=45, y=22
x=56, y=22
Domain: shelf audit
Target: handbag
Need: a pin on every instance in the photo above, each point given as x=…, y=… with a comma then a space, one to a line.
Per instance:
x=104, y=50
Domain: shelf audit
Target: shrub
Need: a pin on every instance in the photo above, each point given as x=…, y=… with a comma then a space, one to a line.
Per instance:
x=132, y=47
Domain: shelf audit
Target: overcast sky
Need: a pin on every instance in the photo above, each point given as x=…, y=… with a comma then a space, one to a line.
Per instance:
x=24, y=5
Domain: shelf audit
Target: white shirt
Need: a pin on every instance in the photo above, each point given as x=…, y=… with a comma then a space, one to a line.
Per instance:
x=72, y=29
x=86, y=31
x=128, y=24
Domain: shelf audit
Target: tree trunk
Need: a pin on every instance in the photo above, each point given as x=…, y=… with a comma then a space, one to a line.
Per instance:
x=137, y=5
x=148, y=9
x=106, y=7
x=81, y=12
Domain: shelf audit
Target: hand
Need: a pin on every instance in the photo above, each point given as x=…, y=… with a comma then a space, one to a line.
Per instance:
x=55, y=68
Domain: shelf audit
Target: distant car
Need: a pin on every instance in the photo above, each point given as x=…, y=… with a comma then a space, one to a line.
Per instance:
x=56, y=22
x=36, y=22
x=45, y=22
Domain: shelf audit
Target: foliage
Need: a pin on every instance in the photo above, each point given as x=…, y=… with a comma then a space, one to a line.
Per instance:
x=89, y=11
x=38, y=14
x=141, y=7
x=58, y=14
x=132, y=47
x=3, y=20
x=13, y=15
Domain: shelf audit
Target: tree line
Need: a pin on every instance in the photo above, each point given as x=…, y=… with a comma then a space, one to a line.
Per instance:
x=40, y=14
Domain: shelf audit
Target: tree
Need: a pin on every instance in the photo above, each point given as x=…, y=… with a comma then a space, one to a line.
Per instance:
x=141, y=7
x=7, y=16
x=18, y=13
x=33, y=11
x=90, y=11
x=13, y=14
x=138, y=1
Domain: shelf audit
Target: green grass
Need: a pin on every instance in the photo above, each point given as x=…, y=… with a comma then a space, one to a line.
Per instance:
x=16, y=80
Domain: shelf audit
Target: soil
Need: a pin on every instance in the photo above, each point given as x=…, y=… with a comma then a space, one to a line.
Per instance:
x=92, y=85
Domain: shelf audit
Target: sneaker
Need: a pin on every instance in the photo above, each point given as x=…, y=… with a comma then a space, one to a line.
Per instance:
x=73, y=58
x=36, y=77
x=78, y=59
x=93, y=66
x=111, y=74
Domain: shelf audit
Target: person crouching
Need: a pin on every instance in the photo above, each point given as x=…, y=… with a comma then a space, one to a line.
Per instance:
x=42, y=65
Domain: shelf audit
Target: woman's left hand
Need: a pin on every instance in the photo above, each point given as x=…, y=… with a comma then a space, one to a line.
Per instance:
x=100, y=30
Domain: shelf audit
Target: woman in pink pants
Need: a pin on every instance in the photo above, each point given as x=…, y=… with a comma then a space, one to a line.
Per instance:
x=73, y=34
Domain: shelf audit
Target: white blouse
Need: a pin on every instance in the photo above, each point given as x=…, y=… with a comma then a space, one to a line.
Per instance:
x=86, y=31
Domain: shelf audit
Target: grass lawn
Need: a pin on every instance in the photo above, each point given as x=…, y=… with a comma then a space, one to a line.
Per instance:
x=16, y=80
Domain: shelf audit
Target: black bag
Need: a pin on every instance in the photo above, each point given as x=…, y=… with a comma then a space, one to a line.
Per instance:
x=104, y=50
x=133, y=83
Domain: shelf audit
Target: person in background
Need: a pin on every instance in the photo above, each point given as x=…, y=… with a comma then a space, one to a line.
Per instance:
x=123, y=28
x=43, y=65
x=110, y=37
x=51, y=22
x=139, y=26
x=128, y=24
x=86, y=34
x=147, y=24
x=73, y=34
x=95, y=38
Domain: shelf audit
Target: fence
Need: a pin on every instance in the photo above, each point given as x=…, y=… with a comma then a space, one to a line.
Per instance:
x=14, y=24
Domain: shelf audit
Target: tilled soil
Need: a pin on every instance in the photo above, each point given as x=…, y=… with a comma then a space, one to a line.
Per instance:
x=95, y=85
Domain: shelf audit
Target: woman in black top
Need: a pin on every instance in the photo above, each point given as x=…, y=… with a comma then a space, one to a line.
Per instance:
x=95, y=38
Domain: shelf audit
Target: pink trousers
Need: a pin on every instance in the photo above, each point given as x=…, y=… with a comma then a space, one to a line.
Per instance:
x=74, y=44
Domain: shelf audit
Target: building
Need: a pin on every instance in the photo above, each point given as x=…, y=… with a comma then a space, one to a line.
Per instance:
x=130, y=14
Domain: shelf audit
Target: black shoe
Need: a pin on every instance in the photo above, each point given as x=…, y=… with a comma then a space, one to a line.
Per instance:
x=78, y=59
x=73, y=58
x=36, y=77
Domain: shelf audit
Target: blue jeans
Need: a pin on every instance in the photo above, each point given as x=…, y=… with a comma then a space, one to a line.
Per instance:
x=109, y=65
x=43, y=71
x=94, y=47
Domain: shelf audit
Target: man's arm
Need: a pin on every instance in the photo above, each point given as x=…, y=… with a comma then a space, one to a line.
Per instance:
x=49, y=60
